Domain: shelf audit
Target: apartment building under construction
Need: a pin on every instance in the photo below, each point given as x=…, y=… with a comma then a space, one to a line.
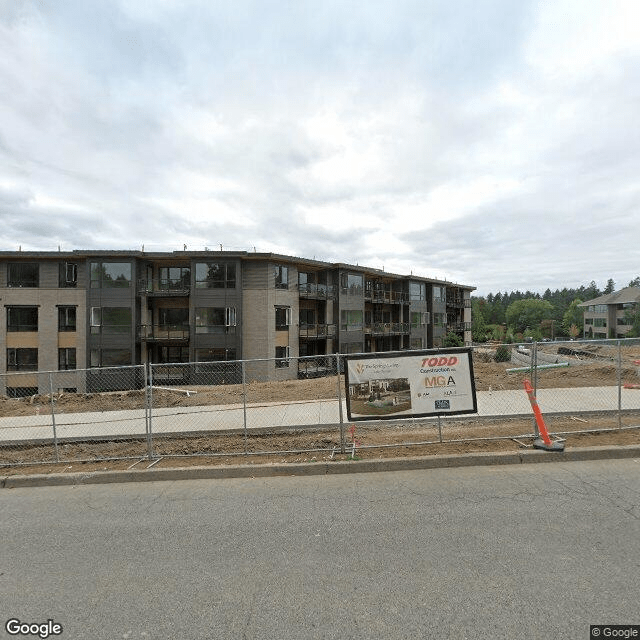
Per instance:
x=66, y=311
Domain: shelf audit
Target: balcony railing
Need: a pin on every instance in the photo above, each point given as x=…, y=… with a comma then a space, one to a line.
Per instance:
x=386, y=297
x=317, y=330
x=164, y=287
x=149, y=333
x=313, y=290
x=387, y=328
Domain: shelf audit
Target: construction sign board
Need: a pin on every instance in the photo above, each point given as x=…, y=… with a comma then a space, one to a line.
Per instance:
x=410, y=384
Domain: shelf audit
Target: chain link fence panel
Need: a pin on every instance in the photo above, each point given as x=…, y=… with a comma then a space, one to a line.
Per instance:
x=83, y=414
x=286, y=405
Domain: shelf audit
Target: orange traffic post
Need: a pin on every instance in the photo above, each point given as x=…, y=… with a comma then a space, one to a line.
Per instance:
x=544, y=443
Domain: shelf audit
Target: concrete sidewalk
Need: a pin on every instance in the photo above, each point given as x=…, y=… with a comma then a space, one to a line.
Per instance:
x=290, y=414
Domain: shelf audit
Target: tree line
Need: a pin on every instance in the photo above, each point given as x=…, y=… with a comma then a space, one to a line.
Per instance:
x=517, y=315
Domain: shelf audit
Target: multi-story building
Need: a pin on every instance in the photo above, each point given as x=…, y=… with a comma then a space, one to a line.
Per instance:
x=610, y=315
x=93, y=309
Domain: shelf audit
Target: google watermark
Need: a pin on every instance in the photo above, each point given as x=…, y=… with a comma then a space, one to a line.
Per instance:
x=15, y=627
x=598, y=631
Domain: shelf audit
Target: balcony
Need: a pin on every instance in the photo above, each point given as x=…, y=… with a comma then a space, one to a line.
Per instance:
x=317, y=291
x=163, y=333
x=387, y=328
x=386, y=297
x=317, y=331
x=160, y=287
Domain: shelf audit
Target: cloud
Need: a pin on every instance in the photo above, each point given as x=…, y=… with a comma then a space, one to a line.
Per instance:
x=493, y=144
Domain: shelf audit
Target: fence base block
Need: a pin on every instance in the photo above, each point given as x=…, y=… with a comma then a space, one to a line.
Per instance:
x=539, y=443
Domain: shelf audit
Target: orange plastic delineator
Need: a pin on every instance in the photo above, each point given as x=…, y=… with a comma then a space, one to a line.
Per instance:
x=548, y=445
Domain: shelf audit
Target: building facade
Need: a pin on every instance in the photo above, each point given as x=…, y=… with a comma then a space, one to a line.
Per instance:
x=67, y=311
x=611, y=315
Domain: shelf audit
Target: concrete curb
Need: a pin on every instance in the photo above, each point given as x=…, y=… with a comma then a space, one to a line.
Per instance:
x=321, y=468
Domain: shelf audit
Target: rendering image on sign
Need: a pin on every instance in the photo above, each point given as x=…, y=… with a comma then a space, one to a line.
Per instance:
x=405, y=385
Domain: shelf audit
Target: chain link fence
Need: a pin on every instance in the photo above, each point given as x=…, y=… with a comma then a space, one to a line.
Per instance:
x=291, y=405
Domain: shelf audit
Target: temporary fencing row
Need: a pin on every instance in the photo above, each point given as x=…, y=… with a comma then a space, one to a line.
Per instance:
x=271, y=406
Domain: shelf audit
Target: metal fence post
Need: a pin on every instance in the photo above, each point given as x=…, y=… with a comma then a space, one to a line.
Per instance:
x=534, y=379
x=619, y=384
x=150, y=413
x=53, y=417
x=244, y=405
x=342, y=443
x=148, y=405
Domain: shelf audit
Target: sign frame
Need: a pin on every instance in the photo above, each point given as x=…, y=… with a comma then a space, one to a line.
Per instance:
x=399, y=385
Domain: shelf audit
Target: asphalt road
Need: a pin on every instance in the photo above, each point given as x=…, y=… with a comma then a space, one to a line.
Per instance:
x=531, y=551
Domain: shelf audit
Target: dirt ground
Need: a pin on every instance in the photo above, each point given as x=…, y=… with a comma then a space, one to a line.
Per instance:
x=466, y=436
x=385, y=441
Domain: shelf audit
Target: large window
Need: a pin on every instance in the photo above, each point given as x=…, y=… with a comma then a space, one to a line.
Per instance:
x=66, y=358
x=23, y=274
x=350, y=320
x=307, y=317
x=174, y=278
x=171, y=318
x=110, y=275
x=351, y=283
x=215, y=319
x=439, y=319
x=417, y=291
x=22, y=319
x=439, y=294
x=22, y=359
x=419, y=319
x=66, y=318
x=215, y=275
x=111, y=320
x=281, y=274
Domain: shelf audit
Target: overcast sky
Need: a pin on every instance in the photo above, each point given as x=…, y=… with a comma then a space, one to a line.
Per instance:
x=492, y=143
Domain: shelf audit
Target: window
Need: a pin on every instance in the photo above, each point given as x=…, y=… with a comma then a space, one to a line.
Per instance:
x=439, y=294
x=215, y=275
x=307, y=317
x=66, y=359
x=600, y=322
x=109, y=357
x=23, y=274
x=172, y=355
x=21, y=392
x=351, y=320
x=282, y=357
x=22, y=359
x=174, y=318
x=281, y=274
x=68, y=274
x=110, y=320
x=417, y=291
x=215, y=319
x=174, y=278
x=439, y=319
x=66, y=318
x=22, y=319
x=419, y=319
x=351, y=283
x=110, y=275
x=283, y=317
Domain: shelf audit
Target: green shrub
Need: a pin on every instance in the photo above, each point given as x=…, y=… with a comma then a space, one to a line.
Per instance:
x=503, y=353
